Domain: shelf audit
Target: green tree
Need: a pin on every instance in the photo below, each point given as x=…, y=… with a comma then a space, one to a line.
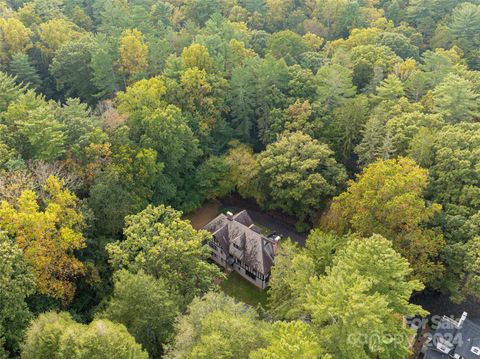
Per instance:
x=124, y=187
x=290, y=340
x=465, y=26
x=43, y=134
x=297, y=117
x=72, y=70
x=57, y=335
x=390, y=276
x=436, y=65
x=23, y=70
x=213, y=178
x=322, y=247
x=347, y=124
x=294, y=268
x=163, y=245
x=287, y=45
x=256, y=88
x=201, y=10
x=455, y=99
x=453, y=157
x=104, y=76
x=362, y=300
x=16, y=284
x=9, y=90
x=380, y=129
x=388, y=199
x=371, y=63
x=334, y=85
x=77, y=119
x=291, y=273
x=400, y=44
x=146, y=308
x=404, y=127
x=465, y=21
x=216, y=326
x=244, y=169
x=166, y=131
x=297, y=172
x=390, y=88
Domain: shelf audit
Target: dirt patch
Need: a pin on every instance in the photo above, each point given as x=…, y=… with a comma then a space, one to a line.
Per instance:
x=204, y=214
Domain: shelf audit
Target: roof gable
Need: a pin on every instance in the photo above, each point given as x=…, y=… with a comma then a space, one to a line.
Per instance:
x=238, y=237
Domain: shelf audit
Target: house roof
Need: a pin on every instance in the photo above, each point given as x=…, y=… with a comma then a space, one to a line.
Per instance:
x=238, y=236
x=462, y=337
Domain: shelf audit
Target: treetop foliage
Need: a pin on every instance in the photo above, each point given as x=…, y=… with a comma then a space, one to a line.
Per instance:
x=356, y=121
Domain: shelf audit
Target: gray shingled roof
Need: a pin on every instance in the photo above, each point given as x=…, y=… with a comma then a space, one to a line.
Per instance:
x=465, y=337
x=255, y=249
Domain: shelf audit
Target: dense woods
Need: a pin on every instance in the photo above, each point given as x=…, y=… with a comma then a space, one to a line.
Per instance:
x=360, y=119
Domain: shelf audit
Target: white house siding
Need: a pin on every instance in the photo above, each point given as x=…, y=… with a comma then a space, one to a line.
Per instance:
x=219, y=257
x=257, y=282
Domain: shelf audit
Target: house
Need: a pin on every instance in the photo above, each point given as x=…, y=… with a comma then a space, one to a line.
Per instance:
x=238, y=244
x=455, y=339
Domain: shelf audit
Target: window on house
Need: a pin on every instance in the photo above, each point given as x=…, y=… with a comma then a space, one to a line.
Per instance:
x=250, y=274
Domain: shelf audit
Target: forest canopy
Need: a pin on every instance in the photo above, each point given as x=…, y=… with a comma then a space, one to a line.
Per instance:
x=358, y=120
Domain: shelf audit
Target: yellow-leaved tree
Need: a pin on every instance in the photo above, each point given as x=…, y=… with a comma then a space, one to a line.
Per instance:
x=53, y=34
x=133, y=52
x=14, y=38
x=48, y=230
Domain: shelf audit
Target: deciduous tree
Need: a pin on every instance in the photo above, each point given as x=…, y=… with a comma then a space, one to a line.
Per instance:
x=216, y=326
x=48, y=234
x=354, y=309
x=388, y=199
x=146, y=308
x=290, y=340
x=297, y=172
x=57, y=335
x=133, y=53
x=163, y=245
x=16, y=284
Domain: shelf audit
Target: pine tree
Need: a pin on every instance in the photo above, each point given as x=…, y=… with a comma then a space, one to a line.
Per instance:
x=455, y=99
x=9, y=90
x=25, y=73
x=390, y=89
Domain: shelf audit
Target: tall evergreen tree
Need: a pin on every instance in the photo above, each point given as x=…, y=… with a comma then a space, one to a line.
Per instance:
x=25, y=73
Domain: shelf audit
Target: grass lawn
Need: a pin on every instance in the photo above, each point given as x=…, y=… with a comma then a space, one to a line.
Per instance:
x=238, y=287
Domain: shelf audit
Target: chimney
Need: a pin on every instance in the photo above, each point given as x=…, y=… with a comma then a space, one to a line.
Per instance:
x=462, y=319
x=275, y=245
x=230, y=215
